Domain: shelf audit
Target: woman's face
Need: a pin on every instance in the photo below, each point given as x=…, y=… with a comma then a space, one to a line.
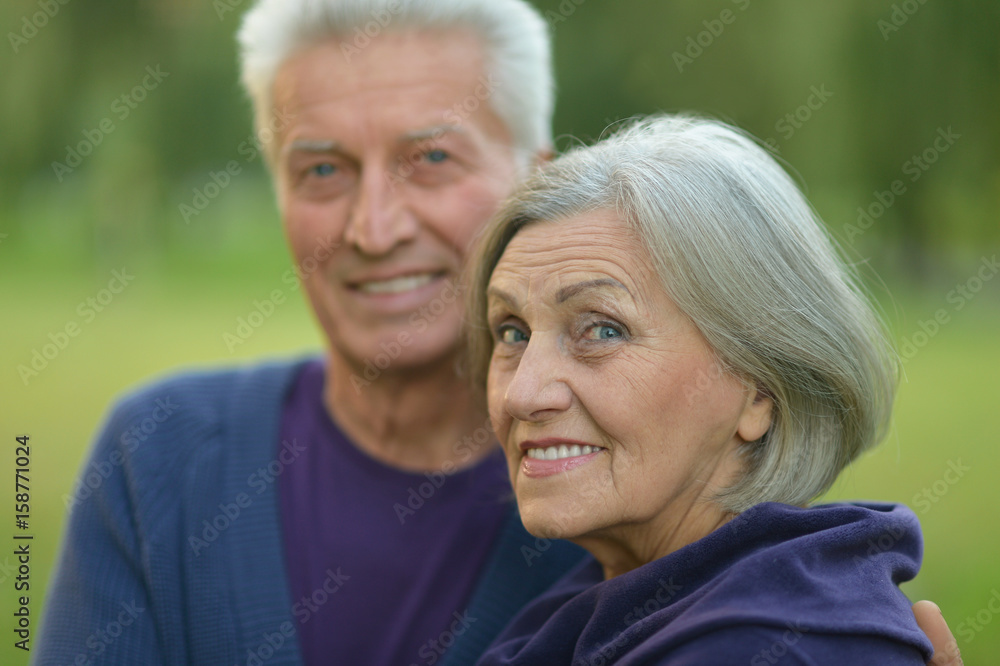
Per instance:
x=613, y=411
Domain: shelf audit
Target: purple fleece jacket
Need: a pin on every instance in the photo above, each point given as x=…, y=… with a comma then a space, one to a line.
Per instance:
x=776, y=585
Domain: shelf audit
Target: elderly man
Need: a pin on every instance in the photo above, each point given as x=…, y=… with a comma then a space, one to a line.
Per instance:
x=352, y=509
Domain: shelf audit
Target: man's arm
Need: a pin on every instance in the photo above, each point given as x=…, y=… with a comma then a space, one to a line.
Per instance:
x=933, y=624
x=98, y=608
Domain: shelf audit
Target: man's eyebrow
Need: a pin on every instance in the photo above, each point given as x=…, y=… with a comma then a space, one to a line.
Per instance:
x=571, y=290
x=312, y=146
x=431, y=132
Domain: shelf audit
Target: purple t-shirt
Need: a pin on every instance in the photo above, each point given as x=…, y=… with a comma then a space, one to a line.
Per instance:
x=381, y=562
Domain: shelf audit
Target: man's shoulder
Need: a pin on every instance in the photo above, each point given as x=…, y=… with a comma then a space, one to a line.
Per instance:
x=207, y=395
x=216, y=383
x=192, y=416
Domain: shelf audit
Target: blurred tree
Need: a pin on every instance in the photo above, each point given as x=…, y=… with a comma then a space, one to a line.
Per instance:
x=886, y=91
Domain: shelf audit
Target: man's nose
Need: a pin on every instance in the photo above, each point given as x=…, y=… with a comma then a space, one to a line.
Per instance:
x=380, y=219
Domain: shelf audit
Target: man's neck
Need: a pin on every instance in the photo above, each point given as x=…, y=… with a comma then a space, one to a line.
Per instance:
x=416, y=420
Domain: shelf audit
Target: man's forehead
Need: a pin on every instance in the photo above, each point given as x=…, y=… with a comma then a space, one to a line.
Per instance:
x=392, y=61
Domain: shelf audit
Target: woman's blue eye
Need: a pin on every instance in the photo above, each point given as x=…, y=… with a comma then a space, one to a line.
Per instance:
x=603, y=332
x=324, y=169
x=511, y=335
x=435, y=156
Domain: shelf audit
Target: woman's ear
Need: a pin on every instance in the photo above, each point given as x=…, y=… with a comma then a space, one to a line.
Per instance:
x=758, y=412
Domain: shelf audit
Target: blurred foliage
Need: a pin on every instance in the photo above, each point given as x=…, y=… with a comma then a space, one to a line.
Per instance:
x=892, y=75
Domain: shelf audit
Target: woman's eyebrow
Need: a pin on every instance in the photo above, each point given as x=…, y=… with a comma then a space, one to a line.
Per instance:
x=502, y=295
x=571, y=290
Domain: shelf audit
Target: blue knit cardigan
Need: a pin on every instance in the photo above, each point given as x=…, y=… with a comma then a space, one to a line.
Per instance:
x=143, y=579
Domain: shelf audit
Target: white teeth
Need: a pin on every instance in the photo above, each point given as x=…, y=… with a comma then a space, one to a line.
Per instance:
x=560, y=452
x=396, y=285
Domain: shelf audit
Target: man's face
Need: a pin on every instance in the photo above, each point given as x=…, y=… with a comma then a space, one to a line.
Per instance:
x=393, y=156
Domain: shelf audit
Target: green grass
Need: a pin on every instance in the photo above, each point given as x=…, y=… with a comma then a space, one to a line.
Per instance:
x=946, y=411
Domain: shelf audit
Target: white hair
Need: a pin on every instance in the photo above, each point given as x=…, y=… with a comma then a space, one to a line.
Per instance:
x=514, y=36
x=744, y=256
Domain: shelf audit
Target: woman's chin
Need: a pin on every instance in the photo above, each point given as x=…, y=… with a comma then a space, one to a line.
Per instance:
x=547, y=523
x=544, y=531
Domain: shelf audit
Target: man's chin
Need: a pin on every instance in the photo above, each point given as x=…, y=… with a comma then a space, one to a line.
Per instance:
x=397, y=358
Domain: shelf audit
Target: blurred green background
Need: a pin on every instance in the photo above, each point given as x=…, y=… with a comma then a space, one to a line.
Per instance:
x=855, y=95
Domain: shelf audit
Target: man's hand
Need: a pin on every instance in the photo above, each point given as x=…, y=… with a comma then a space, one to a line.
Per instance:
x=932, y=623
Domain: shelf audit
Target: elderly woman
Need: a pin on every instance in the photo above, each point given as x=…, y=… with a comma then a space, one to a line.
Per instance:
x=677, y=362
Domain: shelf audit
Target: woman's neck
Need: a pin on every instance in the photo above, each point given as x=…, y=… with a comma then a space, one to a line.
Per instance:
x=624, y=548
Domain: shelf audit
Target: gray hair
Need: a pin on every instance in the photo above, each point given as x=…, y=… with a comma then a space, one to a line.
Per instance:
x=744, y=256
x=515, y=41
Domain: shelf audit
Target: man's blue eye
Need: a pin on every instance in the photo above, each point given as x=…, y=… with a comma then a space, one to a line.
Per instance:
x=435, y=156
x=324, y=169
x=511, y=335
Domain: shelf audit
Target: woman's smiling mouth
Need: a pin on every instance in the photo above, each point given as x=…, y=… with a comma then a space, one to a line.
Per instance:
x=553, y=456
x=561, y=452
